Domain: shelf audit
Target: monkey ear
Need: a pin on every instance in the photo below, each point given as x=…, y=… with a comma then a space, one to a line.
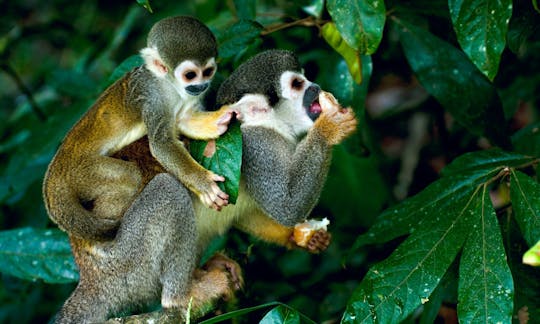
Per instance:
x=154, y=62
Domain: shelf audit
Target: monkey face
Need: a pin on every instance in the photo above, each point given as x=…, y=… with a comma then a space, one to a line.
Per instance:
x=303, y=93
x=193, y=78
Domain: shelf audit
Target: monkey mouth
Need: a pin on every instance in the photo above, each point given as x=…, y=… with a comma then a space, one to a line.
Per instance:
x=314, y=109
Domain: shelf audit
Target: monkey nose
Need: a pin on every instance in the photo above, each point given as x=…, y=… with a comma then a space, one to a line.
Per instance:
x=196, y=89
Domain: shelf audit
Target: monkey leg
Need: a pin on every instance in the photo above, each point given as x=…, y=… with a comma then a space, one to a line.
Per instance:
x=159, y=231
x=258, y=224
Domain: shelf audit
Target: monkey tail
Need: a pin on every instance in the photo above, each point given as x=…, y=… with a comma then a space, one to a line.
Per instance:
x=76, y=218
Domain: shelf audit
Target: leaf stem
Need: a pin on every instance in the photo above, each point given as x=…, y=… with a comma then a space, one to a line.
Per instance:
x=306, y=22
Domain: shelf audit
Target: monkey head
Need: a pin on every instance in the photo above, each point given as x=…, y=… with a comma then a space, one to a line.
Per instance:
x=182, y=50
x=271, y=87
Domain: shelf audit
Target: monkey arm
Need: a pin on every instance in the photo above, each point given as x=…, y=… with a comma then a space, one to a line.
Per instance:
x=205, y=125
x=283, y=178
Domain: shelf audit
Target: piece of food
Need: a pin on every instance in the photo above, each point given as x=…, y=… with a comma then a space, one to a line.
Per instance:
x=304, y=231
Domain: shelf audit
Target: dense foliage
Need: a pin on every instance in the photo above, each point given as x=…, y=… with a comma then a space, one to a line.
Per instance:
x=433, y=82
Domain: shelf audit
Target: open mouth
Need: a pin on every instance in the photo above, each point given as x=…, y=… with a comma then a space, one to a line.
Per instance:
x=314, y=109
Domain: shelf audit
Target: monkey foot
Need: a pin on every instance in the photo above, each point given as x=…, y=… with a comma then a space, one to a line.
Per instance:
x=222, y=262
x=319, y=241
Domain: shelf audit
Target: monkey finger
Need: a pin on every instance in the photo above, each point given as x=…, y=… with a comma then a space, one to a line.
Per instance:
x=215, y=177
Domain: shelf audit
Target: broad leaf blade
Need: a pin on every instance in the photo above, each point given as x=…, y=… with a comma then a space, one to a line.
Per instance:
x=486, y=289
x=525, y=196
x=485, y=159
x=281, y=315
x=407, y=216
x=360, y=23
x=397, y=286
x=235, y=39
x=481, y=27
x=127, y=65
x=33, y=254
x=226, y=161
x=455, y=82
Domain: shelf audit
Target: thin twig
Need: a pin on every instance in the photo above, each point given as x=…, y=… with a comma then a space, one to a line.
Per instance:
x=24, y=89
x=307, y=22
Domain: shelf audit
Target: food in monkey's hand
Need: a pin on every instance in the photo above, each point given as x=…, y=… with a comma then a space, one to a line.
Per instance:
x=303, y=232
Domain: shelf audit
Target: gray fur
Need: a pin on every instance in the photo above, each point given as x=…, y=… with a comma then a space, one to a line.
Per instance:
x=166, y=34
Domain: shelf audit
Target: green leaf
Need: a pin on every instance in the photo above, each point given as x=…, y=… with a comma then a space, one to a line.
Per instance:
x=245, y=9
x=481, y=27
x=145, y=4
x=315, y=8
x=351, y=56
x=226, y=161
x=360, y=23
x=486, y=289
x=455, y=82
x=281, y=315
x=234, y=40
x=73, y=83
x=523, y=26
x=32, y=254
x=525, y=197
x=240, y=312
x=485, y=160
x=527, y=140
x=532, y=256
x=394, y=288
x=127, y=65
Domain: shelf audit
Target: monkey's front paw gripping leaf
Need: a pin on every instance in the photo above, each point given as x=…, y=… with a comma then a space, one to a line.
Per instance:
x=224, y=160
x=304, y=231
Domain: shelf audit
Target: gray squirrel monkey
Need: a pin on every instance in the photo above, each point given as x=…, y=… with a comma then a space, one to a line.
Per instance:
x=86, y=191
x=288, y=126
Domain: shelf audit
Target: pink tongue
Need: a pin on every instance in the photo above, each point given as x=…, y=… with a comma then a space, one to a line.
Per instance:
x=315, y=108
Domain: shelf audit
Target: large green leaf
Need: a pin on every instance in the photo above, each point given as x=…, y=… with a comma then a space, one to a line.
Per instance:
x=486, y=288
x=281, y=315
x=485, y=160
x=455, y=82
x=225, y=161
x=245, y=9
x=234, y=40
x=481, y=27
x=527, y=140
x=127, y=65
x=466, y=171
x=397, y=286
x=525, y=196
x=33, y=254
x=360, y=23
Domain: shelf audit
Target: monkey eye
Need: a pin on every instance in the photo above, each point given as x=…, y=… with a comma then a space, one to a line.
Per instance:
x=208, y=72
x=190, y=75
x=297, y=84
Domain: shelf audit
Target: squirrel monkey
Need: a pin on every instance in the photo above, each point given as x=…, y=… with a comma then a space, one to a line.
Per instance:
x=86, y=191
x=288, y=126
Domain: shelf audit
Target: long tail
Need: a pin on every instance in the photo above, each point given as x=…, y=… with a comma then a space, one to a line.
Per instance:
x=66, y=210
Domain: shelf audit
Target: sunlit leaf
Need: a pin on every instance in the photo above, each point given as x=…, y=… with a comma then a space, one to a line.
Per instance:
x=532, y=256
x=226, y=161
x=481, y=27
x=455, y=82
x=360, y=23
x=33, y=254
x=525, y=196
x=351, y=56
x=485, y=286
x=394, y=288
x=315, y=8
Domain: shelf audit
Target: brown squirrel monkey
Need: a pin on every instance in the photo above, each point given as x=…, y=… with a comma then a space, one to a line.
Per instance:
x=288, y=126
x=86, y=191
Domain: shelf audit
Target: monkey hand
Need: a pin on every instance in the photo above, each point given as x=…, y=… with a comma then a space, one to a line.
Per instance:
x=335, y=123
